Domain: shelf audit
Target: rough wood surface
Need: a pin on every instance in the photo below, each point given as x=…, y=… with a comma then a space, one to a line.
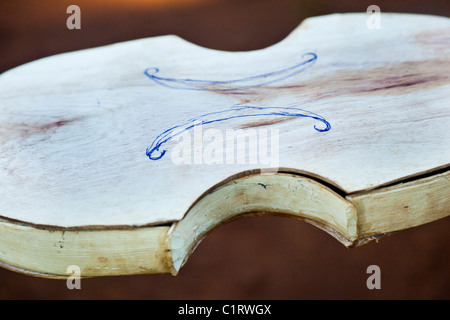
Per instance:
x=403, y=205
x=87, y=138
x=48, y=253
x=281, y=194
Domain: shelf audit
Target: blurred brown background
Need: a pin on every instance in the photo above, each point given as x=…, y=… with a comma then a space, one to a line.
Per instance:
x=254, y=258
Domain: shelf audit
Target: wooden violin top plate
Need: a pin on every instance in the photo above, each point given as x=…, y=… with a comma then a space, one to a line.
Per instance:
x=93, y=138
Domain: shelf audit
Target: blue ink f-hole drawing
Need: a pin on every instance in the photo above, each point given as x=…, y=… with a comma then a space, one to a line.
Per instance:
x=156, y=152
x=308, y=59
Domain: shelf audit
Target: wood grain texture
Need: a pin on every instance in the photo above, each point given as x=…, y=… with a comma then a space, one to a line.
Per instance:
x=75, y=126
x=403, y=205
x=358, y=112
x=48, y=253
x=280, y=194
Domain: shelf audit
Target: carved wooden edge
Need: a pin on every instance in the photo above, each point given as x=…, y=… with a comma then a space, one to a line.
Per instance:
x=403, y=205
x=353, y=220
x=45, y=252
x=284, y=194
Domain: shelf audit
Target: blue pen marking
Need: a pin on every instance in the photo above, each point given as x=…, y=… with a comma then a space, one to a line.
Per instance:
x=154, y=151
x=233, y=85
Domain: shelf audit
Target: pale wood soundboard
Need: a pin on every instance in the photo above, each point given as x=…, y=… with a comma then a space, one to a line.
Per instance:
x=97, y=170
